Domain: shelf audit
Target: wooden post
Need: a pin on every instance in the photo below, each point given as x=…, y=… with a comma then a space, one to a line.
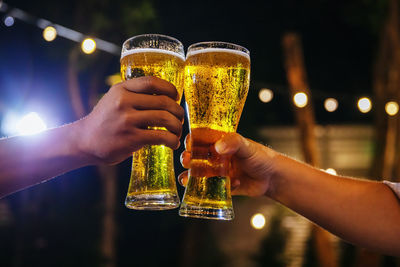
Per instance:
x=386, y=88
x=107, y=174
x=297, y=78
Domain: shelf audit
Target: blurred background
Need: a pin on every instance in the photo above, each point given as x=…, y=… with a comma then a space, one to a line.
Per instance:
x=340, y=51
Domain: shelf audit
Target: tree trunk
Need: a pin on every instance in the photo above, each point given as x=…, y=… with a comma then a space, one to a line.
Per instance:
x=386, y=88
x=108, y=174
x=297, y=78
x=108, y=177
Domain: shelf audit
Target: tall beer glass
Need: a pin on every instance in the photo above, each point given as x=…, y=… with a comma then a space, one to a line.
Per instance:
x=217, y=77
x=152, y=185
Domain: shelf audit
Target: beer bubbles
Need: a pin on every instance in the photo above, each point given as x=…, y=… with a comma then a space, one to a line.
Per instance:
x=266, y=95
x=49, y=33
x=88, y=46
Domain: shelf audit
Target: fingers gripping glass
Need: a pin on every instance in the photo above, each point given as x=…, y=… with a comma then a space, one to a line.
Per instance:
x=217, y=77
x=152, y=185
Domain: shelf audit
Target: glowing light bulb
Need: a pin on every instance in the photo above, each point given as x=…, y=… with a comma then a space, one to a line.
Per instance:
x=266, y=95
x=392, y=108
x=30, y=124
x=9, y=21
x=331, y=104
x=364, y=104
x=258, y=221
x=300, y=99
x=88, y=46
x=49, y=33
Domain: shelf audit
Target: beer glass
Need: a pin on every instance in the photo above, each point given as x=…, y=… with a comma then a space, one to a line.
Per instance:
x=152, y=184
x=217, y=77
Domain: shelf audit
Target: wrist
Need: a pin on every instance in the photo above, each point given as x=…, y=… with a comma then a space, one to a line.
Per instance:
x=275, y=177
x=78, y=144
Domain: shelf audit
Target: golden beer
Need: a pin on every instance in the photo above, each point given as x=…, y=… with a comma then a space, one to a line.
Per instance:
x=217, y=77
x=152, y=185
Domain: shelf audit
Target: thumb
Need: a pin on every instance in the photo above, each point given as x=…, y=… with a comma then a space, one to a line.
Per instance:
x=234, y=143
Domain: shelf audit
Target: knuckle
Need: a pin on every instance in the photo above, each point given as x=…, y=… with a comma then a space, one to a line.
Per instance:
x=119, y=102
x=163, y=102
x=125, y=121
x=150, y=82
x=165, y=117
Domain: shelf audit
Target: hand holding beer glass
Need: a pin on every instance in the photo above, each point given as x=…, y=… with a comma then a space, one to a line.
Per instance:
x=152, y=185
x=217, y=77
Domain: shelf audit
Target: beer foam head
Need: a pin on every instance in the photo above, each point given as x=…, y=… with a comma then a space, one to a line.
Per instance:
x=151, y=50
x=216, y=50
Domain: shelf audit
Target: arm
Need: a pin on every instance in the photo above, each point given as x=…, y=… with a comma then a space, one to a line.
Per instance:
x=116, y=127
x=363, y=212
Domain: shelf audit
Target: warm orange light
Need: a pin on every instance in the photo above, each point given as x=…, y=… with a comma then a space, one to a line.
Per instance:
x=364, y=104
x=331, y=104
x=266, y=95
x=49, y=33
x=300, y=99
x=392, y=108
x=88, y=46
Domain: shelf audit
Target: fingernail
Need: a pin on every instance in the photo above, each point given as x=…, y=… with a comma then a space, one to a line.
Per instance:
x=220, y=146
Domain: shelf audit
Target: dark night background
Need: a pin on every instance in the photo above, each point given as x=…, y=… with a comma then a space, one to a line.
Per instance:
x=58, y=223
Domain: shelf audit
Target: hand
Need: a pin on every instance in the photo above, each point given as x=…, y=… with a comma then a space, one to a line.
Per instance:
x=118, y=124
x=252, y=164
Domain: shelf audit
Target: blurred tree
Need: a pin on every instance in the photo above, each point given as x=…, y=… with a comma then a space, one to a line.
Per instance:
x=271, y=251
x=387, y=128
x=117, y=20
x=297, y=78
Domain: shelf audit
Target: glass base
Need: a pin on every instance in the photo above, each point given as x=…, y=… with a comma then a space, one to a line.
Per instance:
x=152, y=202
x=206, y=213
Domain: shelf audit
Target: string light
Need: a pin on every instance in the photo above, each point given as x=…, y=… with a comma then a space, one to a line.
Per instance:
x=49, y=33
x=88, y=46
x=364, y=104
x=392, y=108
x=257, y=221
x=266, y=95
x=300, y=99
x=331, y=104
x=9, y=21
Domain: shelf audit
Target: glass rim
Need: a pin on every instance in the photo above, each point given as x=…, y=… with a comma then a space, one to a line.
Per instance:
x=150, y=35
x=179, y=51
x=218, y=44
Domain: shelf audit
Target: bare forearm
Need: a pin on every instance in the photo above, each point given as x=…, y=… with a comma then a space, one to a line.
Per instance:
x=28, y=160
x=363, y=212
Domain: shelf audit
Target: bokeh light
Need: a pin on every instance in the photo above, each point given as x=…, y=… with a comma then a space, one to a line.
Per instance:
x=266, y=95
x=331, y=104
x=49, y=33
x=300, y=99
x=392, y=108
x=331, y=171
x=31, y=123
x=364, y=104
x=258, y=221
x=9, y=21
x=88, y=46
